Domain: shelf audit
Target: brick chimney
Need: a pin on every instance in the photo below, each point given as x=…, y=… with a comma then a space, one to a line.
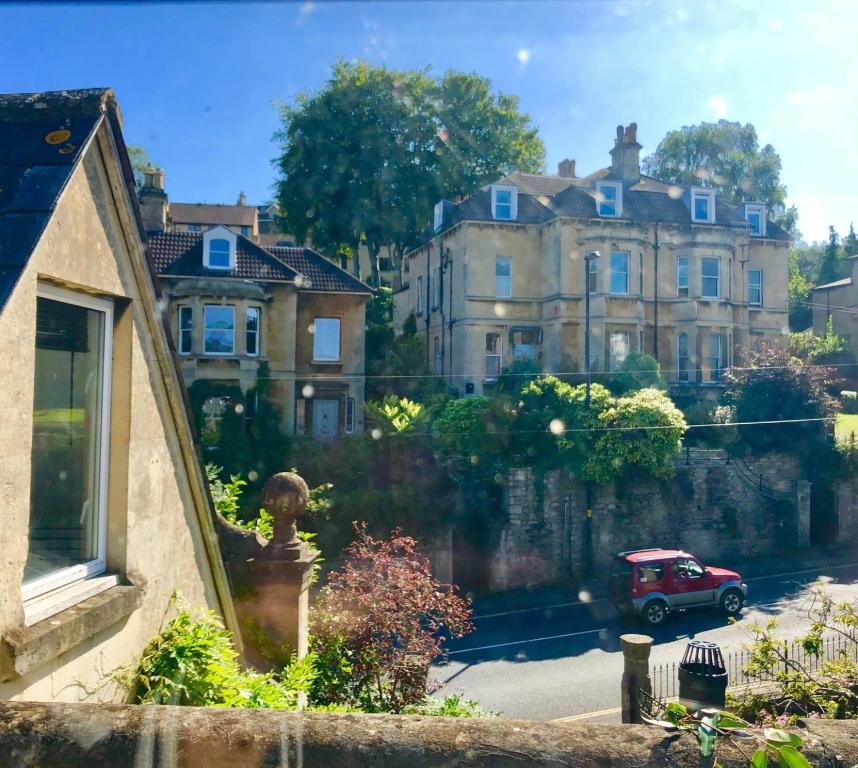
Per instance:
x=154, y=204
x=566, y=169
x=626, y=154
x=242, y=198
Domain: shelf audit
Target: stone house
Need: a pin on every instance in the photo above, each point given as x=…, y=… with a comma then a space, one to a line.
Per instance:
x=838, y=301
x=105, y=512
x=501, y=277
x=234, y=304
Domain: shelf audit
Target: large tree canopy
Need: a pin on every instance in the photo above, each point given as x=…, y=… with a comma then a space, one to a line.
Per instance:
x=364, y=159
x=726, y=156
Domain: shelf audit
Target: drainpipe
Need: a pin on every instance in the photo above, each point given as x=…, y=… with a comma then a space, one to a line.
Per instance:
x=450, y=318
x=427, y=300
x=655, y=297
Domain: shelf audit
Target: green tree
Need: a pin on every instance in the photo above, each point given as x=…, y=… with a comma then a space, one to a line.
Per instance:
x=364, y=159
x=827, y=349
x=831, y=266
x=139, y=160
x=726, y=156
x=850, y=242
x=800, y=292
x=638, y=371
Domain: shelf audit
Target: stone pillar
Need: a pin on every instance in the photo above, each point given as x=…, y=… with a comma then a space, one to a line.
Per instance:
x=271, y=579
x=636, y=677
x=802, y=506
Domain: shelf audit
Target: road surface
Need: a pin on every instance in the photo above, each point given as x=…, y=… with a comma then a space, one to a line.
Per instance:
x=550, y=654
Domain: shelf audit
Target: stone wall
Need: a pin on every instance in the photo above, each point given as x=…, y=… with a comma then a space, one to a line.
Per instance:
x=712, y=508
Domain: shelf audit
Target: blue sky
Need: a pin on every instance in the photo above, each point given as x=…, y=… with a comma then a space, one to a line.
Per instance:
x=197, y=83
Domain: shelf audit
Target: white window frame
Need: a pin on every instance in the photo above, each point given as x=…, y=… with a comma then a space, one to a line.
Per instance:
x=438, y=219
x=625, y=291
x=615, y=362
x=682, y=285
x=436, y=287
x=640, y=340
x=704, y=277
x=98, y=565
x=715, y=370
x=513, y=202
x=601, y=200
x=338, y=358
x=709, y=194
x=206, y=307
x=498, y=293
x=641, y=274
x=189, y=310
x=593, y=276
x=219, y=233
x=683, y=372
x=494, y=355
x=759, y=287
x=257, y=332
x=419, y=295
x=349, y=425
x=760, y=210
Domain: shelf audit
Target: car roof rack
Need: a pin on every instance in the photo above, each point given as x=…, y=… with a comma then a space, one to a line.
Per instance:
x=636, y=551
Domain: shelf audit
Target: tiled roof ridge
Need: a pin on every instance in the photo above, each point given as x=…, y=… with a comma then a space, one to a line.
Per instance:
x=327, y=263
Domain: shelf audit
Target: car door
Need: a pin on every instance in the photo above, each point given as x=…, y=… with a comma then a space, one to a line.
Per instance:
x=692, y=585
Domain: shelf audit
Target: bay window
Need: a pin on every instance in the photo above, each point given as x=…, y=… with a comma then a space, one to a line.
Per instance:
x=710, y=277
x=619, y=272
x=218, y=329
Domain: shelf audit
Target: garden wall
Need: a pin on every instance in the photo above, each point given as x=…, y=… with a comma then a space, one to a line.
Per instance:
x=711, y=507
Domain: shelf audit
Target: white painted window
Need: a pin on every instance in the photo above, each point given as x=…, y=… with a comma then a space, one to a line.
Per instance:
x=494, y=355
x=219, y=248
x=619, y=272
x=609, y=199
x=436, y=288
x=592, y=276
x=186, y=330
x=70, y=449
x=755, y=215
x=524, y=344
x=420, y=294
x=682, y=276
x=640, y=340
x=194, y=228
x=251, y=330
x=682, y=357
x=640, y=274
x=755, y=287
x=713, y=357
x=350, y=416
x=438, y=221
x=245, y=230
x=326, y=339
x=219, y=253
x=619, y=348
x=503, y=277
x=504, y=202
x=218, y=329
x=702, y=205
x=710, y=277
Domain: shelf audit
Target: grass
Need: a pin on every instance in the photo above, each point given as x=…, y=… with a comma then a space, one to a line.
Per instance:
x=847, y=423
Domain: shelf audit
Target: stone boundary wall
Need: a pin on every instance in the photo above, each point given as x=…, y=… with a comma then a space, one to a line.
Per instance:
x=38, y=735
x=707, y=508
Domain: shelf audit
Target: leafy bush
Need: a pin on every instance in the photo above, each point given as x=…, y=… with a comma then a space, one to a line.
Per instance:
x=638, y=371
x=193, y=662
x=398, y=414
x=473, y=430
x=849, y=401
x=828, y=349
x=449, y=706
x=378, y=624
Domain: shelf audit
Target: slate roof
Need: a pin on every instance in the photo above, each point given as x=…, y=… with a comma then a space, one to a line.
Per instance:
x=42, y=138
x=536, y=184
x=835, y=284
x=213, y=214
x=180, y=254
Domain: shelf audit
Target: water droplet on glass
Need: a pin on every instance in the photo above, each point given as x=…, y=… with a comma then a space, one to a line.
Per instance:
x=376, y=434
x=239, y=408
x=307, y=391
x=674, y=192
x=475, y=459
x=556, y=427
x=584, y=596
x=311, y=328
x=253, y=475
x=500, y=310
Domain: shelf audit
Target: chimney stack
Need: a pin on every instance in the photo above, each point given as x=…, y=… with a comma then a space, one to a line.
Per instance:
x=626, y=154
x=566, y=169
x=242, y=198
x=154, y=204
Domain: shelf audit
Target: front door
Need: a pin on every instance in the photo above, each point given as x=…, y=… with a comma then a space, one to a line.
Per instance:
x=326, y=419
x=691, y=584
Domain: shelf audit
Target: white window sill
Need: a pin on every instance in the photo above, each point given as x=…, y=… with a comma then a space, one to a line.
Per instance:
x=44, y=606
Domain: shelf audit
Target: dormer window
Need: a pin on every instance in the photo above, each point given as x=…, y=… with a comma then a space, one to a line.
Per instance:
x=504, y=203
x=219, y=248
x=702, y=205
x=755, y=215
x=609, y=199
x=439, y=216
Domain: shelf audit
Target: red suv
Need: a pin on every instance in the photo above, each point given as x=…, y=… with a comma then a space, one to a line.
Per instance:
x=652, y=582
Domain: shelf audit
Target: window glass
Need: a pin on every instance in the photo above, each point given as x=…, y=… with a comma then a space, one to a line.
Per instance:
x=607, y=199
x=503, y=204
x=619, y=341
x=350, y=415
x=710, y=278
x=326, y=339
x=252, y=331
x=755, y=287
x=651, y=573
x=682, y=276
x=503, y=277
x=682, y=356
x=754, y=222
x=420, y=294
x=219, y=331
x=186, y=330
x=193, y=227
x=70, y=407
x=713, y=358
x=245, y=230
x=437, y=355
x=640, y=274
x=701, y=207
x=619, y=272
x=493, y=355
x=219, y=253
x=524, y=344
x=687, y=569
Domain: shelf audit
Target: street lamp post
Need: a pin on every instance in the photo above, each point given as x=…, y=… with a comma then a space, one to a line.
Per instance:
x=589, y=257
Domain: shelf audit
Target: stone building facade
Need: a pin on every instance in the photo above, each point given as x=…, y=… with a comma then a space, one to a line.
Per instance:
x=681, y=275
x=838, y=301
x=104, y=509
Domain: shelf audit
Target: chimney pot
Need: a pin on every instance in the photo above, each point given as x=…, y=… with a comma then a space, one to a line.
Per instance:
x=566, y=169
x=625, y=156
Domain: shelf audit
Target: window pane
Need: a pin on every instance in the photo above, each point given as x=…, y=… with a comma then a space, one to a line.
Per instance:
x=67, y=423
x=252, y=329
x=619, y=272
x=755, y=287
x=682, y=275
x=219, y=253
x=186, y=317
x=754, y=222
x=619, y=341
x=701, y=207
x=503, y=276
x=592, y=275
x=710, y=274
x=219, y=332
x=326, y=339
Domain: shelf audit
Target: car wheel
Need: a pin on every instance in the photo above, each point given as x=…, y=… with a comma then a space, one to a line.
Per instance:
x=655, y=613
x=732, y=601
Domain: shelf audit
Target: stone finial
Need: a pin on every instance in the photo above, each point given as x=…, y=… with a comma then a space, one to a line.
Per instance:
x=285, y=496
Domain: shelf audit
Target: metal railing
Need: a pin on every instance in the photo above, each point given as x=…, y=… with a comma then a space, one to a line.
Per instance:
x=665, y=677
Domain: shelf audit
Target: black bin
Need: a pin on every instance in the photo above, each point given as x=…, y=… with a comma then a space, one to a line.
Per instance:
x=702, y=676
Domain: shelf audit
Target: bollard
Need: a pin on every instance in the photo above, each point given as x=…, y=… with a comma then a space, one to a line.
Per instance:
x=636, y=649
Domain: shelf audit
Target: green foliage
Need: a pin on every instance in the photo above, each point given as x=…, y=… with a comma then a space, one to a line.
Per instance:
x=193, y=663
x=849, y=401
x=800, y=293
x=638, y=371
x=449, y=706
x=139, y=161
x=473, y=431
x=828, y=349
x=727, y=157
x=398, y=414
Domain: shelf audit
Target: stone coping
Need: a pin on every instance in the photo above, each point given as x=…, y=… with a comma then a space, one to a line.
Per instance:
x=26, y=648
x=124, y=736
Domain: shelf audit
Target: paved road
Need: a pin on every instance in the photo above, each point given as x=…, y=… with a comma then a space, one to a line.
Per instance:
x=550, y=654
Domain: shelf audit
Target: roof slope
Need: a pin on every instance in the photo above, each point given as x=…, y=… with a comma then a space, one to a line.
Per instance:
x=537, y=184
x=320, y=274
x=213, y=214
x=42, y=138
x=836, y=284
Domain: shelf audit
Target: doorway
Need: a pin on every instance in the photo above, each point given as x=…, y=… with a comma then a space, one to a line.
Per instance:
x=326, y=419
